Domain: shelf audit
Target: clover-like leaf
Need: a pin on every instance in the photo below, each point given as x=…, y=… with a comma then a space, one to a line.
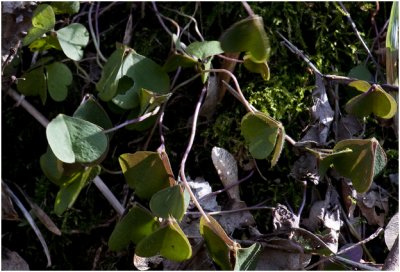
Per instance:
x=75, y=140
x=51, y=166
x=360, y=72
x=169, y=241
x=247, y=35
x=373, y=100
x=219, y=245
x=59, y=77
x=43, y=20
x=257, y=67
x=33, y=83
x=71, y=187
x=261, y=133
x=169, y=202
x=137, y=224
x=203, y=50
x=144, y=171
x=45, y=43
x=73, y=38
x=246, y=258
x=64, y=7
x=179, y=60
x=90, y=110
x=142, y=71
x=358, y=160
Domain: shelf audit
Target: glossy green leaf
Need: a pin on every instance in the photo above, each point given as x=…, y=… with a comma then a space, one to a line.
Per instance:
x=257, y=67
x=71, y=187
x=45, y=43
x=261, y=132
x=373, y=100
x=73, y=38
x=360, y=72
x=143, y=71
x=365, y=161
x=43, y=20
x=179, y=60
x=246, y=258
x=169, y=202
x=150, y=100
x=219, y=245
x=134, y=226
x=144, y=171
x=76, y=140
x=247, y=35
x=203, y=50
x=90, y=110
x=169, y=241
x=33, y=83
x=59, y=77
x=64, y=7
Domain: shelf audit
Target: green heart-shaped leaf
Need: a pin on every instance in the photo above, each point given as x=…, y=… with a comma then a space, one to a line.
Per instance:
x=137, y=224
x=45, y=43
x=179, y=60
x=261, y=133
x=246, y=258
x=43, y=20
x=247, y=35
x=91, y=111
x=373, y=100
x=144, y=171
x=51, y=166
x=203, y=50
x=365, y=161
x=73, y=38
x=150, y=100
x=71, y=187
x=142, y=71
x=360, y=72
x=168, y=241
x=66, y=7
x=75, y=140
x=219, y=245
x=58, y=78
x=169, y=202
x=33, y=83
x=257, y=67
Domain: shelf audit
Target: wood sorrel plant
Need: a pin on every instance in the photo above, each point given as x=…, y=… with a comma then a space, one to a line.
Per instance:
x=141, y=89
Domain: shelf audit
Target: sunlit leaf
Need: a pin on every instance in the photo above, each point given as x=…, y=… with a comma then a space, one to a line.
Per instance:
x=169, y=202
x=90, y=110
x=59, y=77
x=43, y=20
x=169, y=241
x=365, y=161
x=203, y=50
x=278, y=146
x=143, y=71
x=134, y=226
x=261, y=133
x=247, y=35
x=75, y=140
x=373, y=100
x=73, y=38
x=45, y=43
x=246, y=258
x=219, y=245
x=64, y=7
x=257, y=67
x=33, y=83
x=179, y=60
x=71, y=187
x=144, y=171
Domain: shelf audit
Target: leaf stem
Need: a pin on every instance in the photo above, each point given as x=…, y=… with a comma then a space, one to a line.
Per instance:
x=186, y=154
x=135, y=120
x=94, y=37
